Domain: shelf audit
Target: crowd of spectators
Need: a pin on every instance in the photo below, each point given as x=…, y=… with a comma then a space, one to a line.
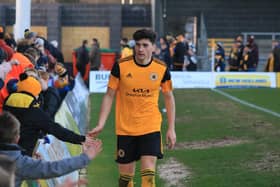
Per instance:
x=33, y=83
x=179, y=54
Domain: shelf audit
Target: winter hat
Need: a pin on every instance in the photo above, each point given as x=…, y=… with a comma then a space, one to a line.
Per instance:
x=60, y=70
x=29, y=35
x=219, y=44
x=39, y=42
x=54, y=43
x=251, y=39
x=29, y=84
x=131, y=43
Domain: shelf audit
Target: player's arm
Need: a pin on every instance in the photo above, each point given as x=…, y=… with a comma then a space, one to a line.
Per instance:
x=170, y=110
x=104, y=111
x=107, y=100
x=166, y=88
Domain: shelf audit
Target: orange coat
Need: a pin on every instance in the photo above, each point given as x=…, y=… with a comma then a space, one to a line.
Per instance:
x=14, y=74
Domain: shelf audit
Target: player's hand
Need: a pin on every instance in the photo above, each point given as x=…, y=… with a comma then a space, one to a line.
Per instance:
x=37, y=156
x=171, y=138
x=92, y=148
x=95, y=131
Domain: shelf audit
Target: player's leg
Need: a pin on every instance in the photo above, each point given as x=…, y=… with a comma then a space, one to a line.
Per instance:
x=126, y=157
x=126, y=174
x=148, y=165
x=150, y=150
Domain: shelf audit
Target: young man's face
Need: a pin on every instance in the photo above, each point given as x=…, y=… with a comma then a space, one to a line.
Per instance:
x=144, y=49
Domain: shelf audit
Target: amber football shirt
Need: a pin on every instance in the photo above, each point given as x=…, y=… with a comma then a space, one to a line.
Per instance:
x=137, y=91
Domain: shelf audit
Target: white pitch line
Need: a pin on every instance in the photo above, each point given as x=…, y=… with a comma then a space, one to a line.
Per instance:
x=247, y=103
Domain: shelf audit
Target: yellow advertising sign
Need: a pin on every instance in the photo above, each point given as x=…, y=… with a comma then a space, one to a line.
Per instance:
x=278, y=80
x=242, y=80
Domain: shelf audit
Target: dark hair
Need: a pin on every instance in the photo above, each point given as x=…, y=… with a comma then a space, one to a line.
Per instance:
x=164, y=39
x=9, y=127
x=22, y=45
x=125, y=40
x=95, y=40
x=85, y=42
x=145, y=34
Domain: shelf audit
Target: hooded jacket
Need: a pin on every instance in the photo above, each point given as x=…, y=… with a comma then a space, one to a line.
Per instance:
x=29, y=168
x=34, y=121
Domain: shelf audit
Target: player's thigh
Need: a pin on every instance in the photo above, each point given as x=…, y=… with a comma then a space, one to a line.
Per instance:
x=148, y=162
x=128, y=168
x=126, y=149
x=150, y=145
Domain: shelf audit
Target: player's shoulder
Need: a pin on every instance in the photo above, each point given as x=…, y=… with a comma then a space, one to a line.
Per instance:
x=160, y=62
x=125, y=59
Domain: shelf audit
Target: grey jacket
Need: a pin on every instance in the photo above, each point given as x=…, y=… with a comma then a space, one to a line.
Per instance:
x=28, y=168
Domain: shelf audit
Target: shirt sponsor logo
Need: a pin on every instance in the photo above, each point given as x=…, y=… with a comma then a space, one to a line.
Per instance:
x=139, y=92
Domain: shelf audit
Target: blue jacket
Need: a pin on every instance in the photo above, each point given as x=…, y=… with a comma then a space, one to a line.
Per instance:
x=29, y=168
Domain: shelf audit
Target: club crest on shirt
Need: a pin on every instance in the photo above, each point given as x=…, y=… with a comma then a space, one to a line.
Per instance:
x=153, y=76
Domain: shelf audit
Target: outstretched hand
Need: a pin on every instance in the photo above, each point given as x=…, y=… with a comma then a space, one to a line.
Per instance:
x=92, y=147
x=95, y=131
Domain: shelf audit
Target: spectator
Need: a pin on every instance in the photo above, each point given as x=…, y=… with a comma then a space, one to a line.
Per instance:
x=51, y=97
x=82, y=58
x=273, y=62
x=33, y=55
x=25, y=105
x=5, y=68
x=28, y=168
x=233, y=59
x=190, y=58
x=125, y=48
x=30, y=36
x=179, y=53
x=42, y=61
x=8, y=50
x=247, y=59
x=10, y=40
x=54, y=50
x=219, y=58
x=95, y=55
x=165, y=53
x=7, y=172
x=62, y=82
x=253, y=55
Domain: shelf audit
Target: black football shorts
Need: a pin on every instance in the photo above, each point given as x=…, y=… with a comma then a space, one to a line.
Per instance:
x=131, y=148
